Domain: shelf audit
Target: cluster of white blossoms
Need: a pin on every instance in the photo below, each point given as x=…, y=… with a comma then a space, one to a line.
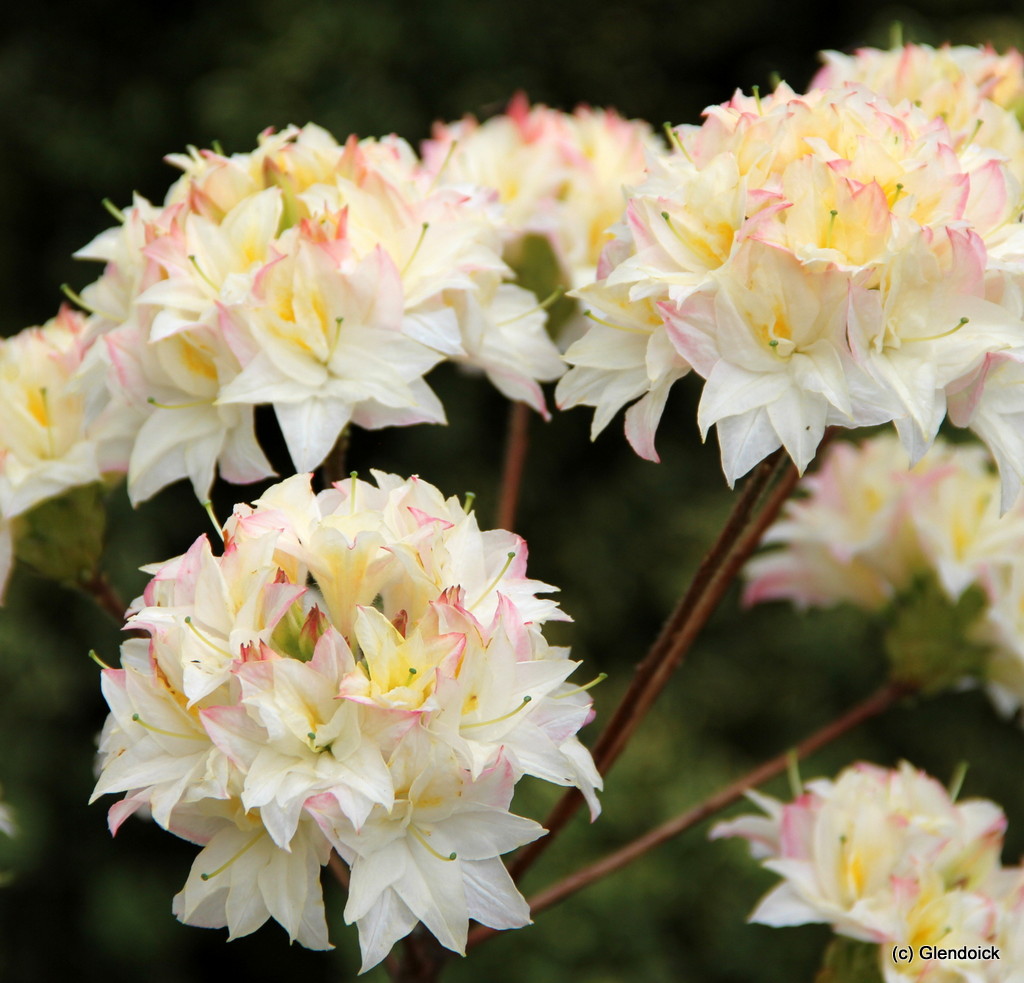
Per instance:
x=827, y=259
x=558, y=175
x=868, y=531
x=965, y=85
x=889, y=857
x=362, y=670
x=320, y=278
x=328, y=279
x=47, y=444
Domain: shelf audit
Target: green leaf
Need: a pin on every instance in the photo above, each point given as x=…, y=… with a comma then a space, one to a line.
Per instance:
x=850, y=961
x=62, y=538
x=928, y=638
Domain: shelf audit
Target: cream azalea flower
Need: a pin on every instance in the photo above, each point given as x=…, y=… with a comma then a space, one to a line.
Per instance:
x=882, y=856
x=819, y=259
x=363, y=669
x=47, y=445
x=324, y=279
x=974, y=89
x=52, y=439
x=869, y=532
x=559, y=175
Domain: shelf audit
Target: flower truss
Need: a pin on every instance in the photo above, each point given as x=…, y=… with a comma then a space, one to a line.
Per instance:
x=827, y=259
x=362, y=670
x=47, y=444
x=966, y=86
x=887, y=856
x=323, y=279
x=559, y=175
x=869, y=532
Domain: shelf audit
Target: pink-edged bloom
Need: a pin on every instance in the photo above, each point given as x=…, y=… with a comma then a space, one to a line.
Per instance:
x=821, y=259
x=882, y=856
x=869, y=530
x=363, y=668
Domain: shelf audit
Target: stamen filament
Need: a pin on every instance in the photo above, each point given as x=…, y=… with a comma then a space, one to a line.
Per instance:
x=419, y=836
x=444, y=164
x=208, y=507
x=114, y=210
x=470, y=499
x=178, y=406
x=77, y=298
x=956, y=783
x=416, y=248
x=227, y=863
x=796, y=785
x=192, y=259
x=542, y=306
x=833, y=213
x=494, y=583
x=756, y=89
x=166, y=733
x=600, y=678
x=609, y=324
x=205, y=640
x=95, y=658
x=674, y=139
x=504, y=716
x=896, y=197
x=945, y=334
x=353, y=476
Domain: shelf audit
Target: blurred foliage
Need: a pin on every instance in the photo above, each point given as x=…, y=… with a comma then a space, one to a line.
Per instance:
x=91, y=97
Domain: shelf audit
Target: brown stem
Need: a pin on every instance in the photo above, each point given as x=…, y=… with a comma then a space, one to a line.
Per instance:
x=516, y=445
x=339, y=870
x=102, y=591
x=875, y=704
x=423, y=959
x=737, y=540
x=333, y=467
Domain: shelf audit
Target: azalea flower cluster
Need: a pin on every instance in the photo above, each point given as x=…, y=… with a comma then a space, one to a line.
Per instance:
x=558, y=175
x=323, y=279
x=868, y=532
x=967, y=86
x=47, y=443
x=890, y=857
x=822, y=259
x=328, y=279
x=362, y=670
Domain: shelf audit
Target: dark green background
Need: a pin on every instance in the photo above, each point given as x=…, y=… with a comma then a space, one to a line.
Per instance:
x=91, y=98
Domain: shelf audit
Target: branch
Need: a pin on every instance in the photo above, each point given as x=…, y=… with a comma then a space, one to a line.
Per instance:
x=423, y=960
x=339, y=869
x=103, y=593
x=881, y=700
x=516, y=445
x=333, y=467
x=737, y=540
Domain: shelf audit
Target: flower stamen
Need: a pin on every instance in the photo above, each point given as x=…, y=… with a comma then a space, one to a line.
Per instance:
x=206, y=640
x=599, y=678
x=494, y=583
x=504, y=716
x=167, y=733
x=541, y=306
x=227, y=863
x=416, y=248
x=609, y=324
x=423, y=840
